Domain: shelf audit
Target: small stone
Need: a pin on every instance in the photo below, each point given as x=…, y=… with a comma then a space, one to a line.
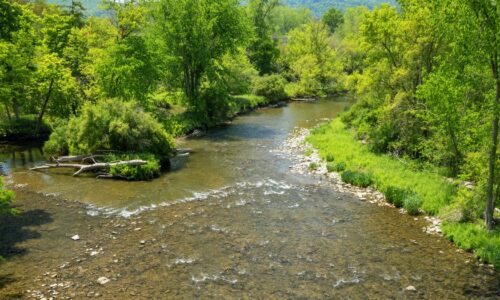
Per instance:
x=411, y=288
x=76, y=237
x=137, y=229
x=143, y=242
x=102, y=280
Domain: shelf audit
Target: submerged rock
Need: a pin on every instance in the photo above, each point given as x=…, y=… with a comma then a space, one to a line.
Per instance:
x=76, y=237
x=102, y=280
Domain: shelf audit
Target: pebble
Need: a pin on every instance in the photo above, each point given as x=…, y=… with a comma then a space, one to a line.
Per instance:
x=76, y=237
x=102, y=280
x=411, y=288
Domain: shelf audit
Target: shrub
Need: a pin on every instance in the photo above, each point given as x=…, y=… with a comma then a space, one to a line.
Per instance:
x=313, y=166
x=357, y=178
x=335, y=167
x=111, y=125
x=470, y=236
x=271, y=87
x=329, y=157
x=6, y=198
x=396, y=196
x=412, y=203
x=150, y=170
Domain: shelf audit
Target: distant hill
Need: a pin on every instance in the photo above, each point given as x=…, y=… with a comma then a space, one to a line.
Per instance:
x=317, y=6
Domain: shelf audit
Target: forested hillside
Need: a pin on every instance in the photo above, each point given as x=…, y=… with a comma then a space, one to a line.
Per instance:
x=318, y=7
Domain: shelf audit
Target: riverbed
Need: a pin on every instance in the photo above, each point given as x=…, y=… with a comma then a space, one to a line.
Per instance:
x=229, y=221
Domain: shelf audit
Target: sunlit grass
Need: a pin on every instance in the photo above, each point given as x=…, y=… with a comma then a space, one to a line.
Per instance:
x=335, y=140
x=405, y=186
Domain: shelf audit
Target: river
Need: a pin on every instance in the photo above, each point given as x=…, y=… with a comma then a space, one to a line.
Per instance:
x=229, y=221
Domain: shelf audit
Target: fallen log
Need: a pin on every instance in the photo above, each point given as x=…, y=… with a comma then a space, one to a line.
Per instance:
x=92, y=167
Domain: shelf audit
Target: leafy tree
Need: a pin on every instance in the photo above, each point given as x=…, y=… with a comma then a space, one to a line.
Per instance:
x=283, y=19
x=196, y=35
x=111, y=125
x=312, y=60
x=333, y=18
x=263, y=51
x=56, y=87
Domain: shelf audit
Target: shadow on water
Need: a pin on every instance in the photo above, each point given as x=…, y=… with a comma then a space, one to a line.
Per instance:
x=13, y=230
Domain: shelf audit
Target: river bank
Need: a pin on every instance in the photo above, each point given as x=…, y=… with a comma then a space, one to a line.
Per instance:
x=334, y=140
x=229, y=221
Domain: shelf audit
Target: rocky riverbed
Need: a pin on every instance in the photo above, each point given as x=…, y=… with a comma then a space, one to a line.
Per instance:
x=304, y=155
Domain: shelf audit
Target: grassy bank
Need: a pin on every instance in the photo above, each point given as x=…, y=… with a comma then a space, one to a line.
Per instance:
x=339, y=145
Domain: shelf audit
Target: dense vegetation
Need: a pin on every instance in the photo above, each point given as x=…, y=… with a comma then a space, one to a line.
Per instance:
x=426, y=79
x=426, y=76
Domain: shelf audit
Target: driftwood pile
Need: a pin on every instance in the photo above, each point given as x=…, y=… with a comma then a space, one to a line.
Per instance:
x=88, y=163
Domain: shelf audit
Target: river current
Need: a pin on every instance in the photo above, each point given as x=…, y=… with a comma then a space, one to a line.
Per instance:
x=229, y=221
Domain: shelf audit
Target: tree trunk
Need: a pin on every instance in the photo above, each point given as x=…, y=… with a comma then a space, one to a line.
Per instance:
x=44, y=107
x=92, y=167
x=15, y=108
x=7, y=112
x=490, y=196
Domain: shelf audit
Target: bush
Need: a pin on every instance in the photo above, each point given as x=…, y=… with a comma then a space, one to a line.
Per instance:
x=6, y=198
x=470, y=236
x=150, y=170
x=357, y=178
x=272, y=87
x=313, y=166
x=329, y=157
x=335, y=167
x=111, y=125
x=412, y=203
x=396, y=196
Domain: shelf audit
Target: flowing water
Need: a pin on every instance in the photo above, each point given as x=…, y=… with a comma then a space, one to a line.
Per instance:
x=229, y=221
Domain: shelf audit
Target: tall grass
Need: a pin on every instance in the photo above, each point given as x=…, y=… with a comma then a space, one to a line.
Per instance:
x=406, y=185
x=335, y=140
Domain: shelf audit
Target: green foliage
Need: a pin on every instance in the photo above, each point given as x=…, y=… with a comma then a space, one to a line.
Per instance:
x=313, y=66
x=313, y=166
x=262, y=51
x=412, y=203
x=283, y=19
x=357, y=178
x=469, y=236
x=336, y=167
x=333, y=18
x=320, y=7
x=397, y=196
x=112, y=125
x=428, y=184
x=6, y=198
x=272, y=87
x=329, y=157
x=151, y=170
x=194, y=36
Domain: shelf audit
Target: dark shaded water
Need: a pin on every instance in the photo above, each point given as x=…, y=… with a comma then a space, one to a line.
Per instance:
x=229, y=222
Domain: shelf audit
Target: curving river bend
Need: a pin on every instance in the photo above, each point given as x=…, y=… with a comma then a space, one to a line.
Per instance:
x=230, y=221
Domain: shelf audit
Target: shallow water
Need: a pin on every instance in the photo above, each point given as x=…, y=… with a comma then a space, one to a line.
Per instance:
x=229, y=221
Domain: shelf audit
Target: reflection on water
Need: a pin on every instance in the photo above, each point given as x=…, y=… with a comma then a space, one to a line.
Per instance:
x=231, y=222
x=223, y=157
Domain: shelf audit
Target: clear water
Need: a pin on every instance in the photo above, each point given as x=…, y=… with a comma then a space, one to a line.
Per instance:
x=229, y=221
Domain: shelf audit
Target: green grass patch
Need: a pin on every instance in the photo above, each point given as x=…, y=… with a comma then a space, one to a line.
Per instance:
x=308, y=152
x=357, y=178
x=335, y=167
x=313, y=166
x=412, y=203
x=471, y=236
x=329, y=157
x=333, y=138
x=151, y=170
x=406, y=186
